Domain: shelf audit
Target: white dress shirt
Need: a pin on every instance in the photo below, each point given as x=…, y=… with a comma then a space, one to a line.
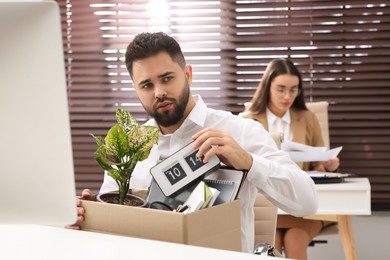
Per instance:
x=280, y=124
x=272, y=174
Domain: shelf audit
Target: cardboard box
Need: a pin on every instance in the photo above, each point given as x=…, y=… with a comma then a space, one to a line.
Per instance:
x=215, y=227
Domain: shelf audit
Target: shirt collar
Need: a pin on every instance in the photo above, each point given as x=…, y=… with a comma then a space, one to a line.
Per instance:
x=198, y=113
x=286, y=118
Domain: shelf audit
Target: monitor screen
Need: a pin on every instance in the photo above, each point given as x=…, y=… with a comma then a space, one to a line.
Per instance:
x=36, y=165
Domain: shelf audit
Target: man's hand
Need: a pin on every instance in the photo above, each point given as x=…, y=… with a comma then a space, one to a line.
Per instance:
x=215, y=142
x=86, y=193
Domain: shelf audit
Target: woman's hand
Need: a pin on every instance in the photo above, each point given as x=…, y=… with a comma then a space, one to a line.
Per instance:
x=215, y=142
x=332, y=164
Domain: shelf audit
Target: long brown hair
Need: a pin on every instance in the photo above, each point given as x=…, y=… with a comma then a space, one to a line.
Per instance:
x=275, y=68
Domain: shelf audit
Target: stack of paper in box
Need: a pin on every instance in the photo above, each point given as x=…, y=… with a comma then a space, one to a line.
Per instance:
x=221, y=186
x=201, y=197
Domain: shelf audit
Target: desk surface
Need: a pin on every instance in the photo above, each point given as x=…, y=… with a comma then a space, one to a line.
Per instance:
x=46, y=243
x=352, y=197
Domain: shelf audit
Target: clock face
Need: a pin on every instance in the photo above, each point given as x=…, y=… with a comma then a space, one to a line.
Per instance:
x=181, y=168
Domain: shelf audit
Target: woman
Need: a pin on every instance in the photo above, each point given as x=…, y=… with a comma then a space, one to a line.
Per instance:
x=279, y=105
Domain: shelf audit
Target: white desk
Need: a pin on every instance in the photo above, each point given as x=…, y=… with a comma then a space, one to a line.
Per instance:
x=337, y=202
x=47, y=243
x=352, y=197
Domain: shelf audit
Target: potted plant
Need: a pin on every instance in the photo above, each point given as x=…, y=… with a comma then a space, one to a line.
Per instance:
x=125, y=144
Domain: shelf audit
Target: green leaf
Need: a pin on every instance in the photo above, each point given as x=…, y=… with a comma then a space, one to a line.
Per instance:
x=126, y=120
x=148, y=137
x=98, y=140
x=116, y=141
x=103, y=158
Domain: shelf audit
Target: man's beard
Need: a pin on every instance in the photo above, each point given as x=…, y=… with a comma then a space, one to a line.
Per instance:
x=172, y=116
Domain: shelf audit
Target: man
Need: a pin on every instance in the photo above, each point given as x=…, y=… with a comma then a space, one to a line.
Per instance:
x=162, y=81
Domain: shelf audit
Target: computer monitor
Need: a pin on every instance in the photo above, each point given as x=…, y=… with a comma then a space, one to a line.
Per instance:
x=36, y=165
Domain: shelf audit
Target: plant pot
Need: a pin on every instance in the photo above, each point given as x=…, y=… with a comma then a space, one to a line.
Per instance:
x=113, y=198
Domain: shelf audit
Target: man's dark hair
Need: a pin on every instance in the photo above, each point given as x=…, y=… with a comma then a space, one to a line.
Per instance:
x=146, y=45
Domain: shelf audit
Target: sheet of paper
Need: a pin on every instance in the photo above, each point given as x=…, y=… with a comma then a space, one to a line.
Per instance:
x=297, y=147
x=305, y=153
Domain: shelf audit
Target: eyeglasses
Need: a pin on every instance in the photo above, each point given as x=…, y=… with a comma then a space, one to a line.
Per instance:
x=281, y=92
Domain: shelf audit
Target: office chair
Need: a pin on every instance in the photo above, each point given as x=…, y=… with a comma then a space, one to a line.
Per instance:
x=320, y=108
x=265, y=222
x=265, y=212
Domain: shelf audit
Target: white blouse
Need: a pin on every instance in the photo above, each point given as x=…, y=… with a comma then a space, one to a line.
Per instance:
x=280, y=124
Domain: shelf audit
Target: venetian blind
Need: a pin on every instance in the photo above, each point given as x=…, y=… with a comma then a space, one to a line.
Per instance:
x=342, y=49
